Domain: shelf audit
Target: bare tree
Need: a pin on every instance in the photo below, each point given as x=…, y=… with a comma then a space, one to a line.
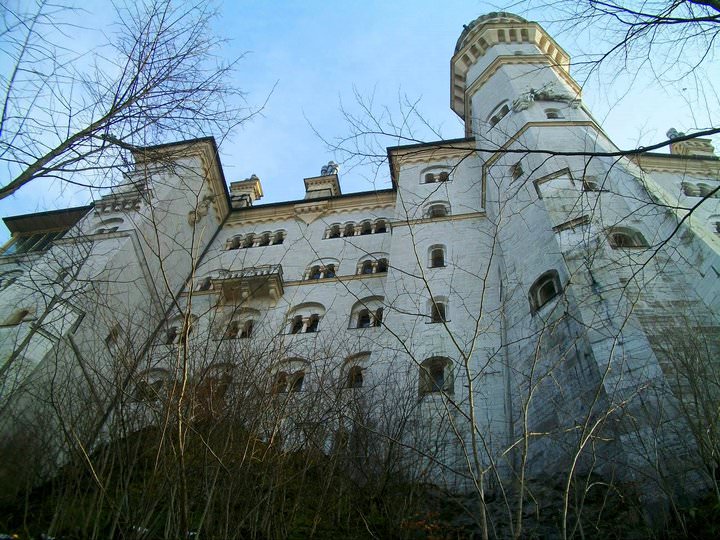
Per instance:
x=73, y=114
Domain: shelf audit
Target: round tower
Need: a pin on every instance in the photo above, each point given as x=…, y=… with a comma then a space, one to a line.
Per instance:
x=507, y=70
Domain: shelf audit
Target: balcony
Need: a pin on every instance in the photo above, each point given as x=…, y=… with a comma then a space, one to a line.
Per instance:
x=255, y=282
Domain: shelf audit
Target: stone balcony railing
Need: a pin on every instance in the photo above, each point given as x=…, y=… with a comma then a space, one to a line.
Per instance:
x=257, y=282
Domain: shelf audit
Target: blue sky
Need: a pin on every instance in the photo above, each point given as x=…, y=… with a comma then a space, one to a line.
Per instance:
x=317, y=54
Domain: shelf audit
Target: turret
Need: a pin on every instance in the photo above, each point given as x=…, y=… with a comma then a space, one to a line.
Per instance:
x=325, y=185
x=503, y=64
x=245, y=192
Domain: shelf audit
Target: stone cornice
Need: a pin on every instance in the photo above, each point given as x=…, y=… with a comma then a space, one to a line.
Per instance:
x=448, y=150
x=452, y=217
x=706, y=167
x=302, y=282
x=360, y=202
x=482, y=38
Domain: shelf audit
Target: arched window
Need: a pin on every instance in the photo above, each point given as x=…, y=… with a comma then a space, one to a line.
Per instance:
x=280, y=384
x=354, y=377
x=296, y=325
x=232, y=330
x=436, y=376
x=235, y=242
x=205, y=284
x=305, y=318
x=364, y=319
x=366, y=228
x=241, y=324
x=313, y=323
x=438, y=311
x=289, y=376
x=264, y=240
x=349, y=230
x=322, y=269
x=622, y=237
x=279, y=238
x=296, y=384
x=171, y=335
x=334, y=232
x=545, y=288
x=367, y=312
x=498, y=114
x=434, y=175
x=151, y=385
x=437, y=256
x=553, y=114
x=707, y=191
x=179, y=329
x=247, y=329
x=691, y=190
x=437, y=210
x=380, y=226
x=249, y=241
x=373, y=263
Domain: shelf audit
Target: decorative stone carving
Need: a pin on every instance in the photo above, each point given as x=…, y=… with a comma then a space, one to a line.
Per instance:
x=203, y=207
x=330, y=168
x=673, y=133
x=547, y=92
x=523, y=101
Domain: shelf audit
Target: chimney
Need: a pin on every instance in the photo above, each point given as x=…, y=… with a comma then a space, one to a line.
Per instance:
x=690, y=147
x=245, y=192
x=325, y=185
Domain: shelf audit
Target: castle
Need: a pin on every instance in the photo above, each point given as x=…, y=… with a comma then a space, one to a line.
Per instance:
x=525, y=298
